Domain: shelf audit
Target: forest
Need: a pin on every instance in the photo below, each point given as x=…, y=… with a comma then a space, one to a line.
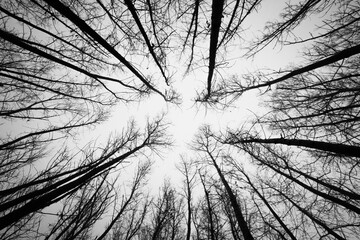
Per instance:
x=290, y=171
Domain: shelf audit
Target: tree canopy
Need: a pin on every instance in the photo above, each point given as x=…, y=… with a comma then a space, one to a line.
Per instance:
x=291, y=171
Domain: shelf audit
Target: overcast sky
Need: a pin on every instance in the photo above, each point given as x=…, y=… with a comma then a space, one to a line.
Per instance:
x=186, y=118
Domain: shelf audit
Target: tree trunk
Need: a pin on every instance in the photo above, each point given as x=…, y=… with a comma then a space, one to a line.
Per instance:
x=239, y=216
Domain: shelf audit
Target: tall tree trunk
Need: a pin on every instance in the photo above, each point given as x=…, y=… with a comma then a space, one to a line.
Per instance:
x=211, y=221
x=238, y=213
x=338, y=148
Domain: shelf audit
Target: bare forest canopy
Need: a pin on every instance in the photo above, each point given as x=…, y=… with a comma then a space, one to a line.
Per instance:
x=291, y=172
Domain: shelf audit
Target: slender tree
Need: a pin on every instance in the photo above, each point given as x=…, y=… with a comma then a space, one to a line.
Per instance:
x=141, y=173
x=187, y=170
x=204, y=144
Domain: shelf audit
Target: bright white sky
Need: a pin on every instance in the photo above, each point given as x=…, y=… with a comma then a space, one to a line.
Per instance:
x=186, y=118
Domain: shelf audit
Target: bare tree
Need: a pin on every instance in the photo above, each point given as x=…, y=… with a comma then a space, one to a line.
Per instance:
x=132, y=221
x=65, y=66
x=334, y=45
x=56, y=188
x=187, y=170
x=204, y=143
x=210, y=229
x=132, y=199
x=81, y=210
x=304, y=180
x=167, y=214
x=215, y=25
